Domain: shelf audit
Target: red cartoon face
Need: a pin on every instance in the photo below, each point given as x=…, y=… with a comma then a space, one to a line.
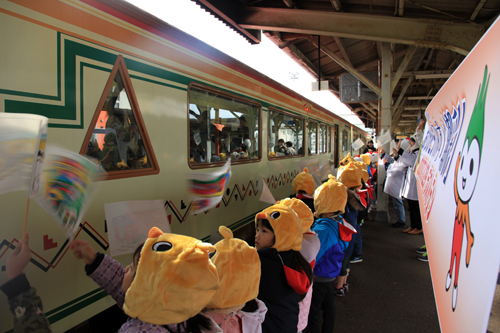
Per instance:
x=468, y=169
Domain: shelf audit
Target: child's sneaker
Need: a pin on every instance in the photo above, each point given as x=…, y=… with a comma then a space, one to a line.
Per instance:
x=339, y=292
x=423, y=257
x=345, y=287
x=421, y=250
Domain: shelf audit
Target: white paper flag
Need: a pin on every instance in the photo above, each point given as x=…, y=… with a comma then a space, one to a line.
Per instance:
x=129, y=223
x=357, y=144
x=265, y=193
x=383, y=138
x=22, y=151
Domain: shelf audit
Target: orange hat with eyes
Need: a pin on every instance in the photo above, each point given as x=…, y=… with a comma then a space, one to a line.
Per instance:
x=304, y=181
x=175, y=279
x=286, y=227
x=305, y=214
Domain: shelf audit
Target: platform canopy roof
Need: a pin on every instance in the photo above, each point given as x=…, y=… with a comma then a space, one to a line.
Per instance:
x=428, y=38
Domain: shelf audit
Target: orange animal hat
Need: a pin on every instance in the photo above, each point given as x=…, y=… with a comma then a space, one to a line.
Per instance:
x=175, y=279
x=304, y=181
x=350, y=176
x=366, y=159
x=286, y=225
x=238, y=265
x=363, y=168
x=305, y=214
x=330, y=197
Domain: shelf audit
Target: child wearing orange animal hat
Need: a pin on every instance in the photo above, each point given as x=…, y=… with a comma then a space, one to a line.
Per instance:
x=330, y=199
x=161, y=290
x=310, y=249
x=303, y=188
x=285, y=274
x=235, y=307
x=351, y=177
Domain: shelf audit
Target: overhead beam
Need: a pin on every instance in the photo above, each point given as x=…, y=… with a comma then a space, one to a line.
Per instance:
x=402, y=67
x=372, y=63
x=347, y=67
x=458, y=37
x=342, y=50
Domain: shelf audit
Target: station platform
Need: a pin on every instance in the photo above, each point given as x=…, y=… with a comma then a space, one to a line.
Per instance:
x=390, y=290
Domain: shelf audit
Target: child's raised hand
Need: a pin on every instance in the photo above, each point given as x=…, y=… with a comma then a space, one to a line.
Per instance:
x=83, y=250
x=18, y=259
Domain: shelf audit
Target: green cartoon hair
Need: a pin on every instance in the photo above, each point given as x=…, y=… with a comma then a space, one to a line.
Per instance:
x=476, y=124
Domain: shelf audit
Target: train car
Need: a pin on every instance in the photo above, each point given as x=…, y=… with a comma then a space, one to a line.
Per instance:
x=151, y=104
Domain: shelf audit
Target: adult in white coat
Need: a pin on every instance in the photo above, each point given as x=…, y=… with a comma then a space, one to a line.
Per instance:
x=408, y=159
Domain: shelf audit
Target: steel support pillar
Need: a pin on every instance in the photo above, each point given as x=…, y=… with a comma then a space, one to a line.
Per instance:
x=385, y=124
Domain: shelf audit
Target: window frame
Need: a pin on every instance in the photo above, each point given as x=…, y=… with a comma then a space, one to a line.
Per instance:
x=308, y=138
x=345, y=140
x=325, y=139
x=274, y=109
x=226, y=94
x=121, y=68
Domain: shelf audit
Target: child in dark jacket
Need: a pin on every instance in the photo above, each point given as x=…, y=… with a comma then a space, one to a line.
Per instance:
x=330, y=200
x=285, y=274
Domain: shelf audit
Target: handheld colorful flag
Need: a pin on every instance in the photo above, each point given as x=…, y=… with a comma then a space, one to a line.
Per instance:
x=208, y=188
x=68, y=182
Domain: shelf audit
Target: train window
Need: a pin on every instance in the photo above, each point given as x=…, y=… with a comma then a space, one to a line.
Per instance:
x=221, y=126
x=323, y=139
x=286, y=134
x=345, y=144
x=117, y=136
x=312, y=134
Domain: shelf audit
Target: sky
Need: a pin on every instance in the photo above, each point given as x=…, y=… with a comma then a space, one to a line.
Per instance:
x=265, y=57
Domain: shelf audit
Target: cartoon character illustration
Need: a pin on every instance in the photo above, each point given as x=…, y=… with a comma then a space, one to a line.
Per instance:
x=466, y=174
